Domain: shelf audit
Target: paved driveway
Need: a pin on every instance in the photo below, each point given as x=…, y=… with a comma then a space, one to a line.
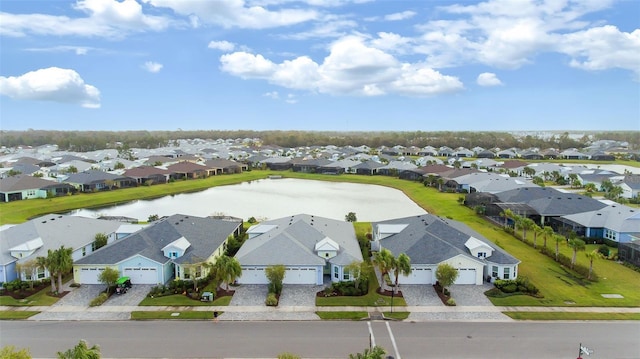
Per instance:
x=132, y=297
x=471, y=295
x=249, y=294
x=299, y=295
x=81, y=296
x=420, y=295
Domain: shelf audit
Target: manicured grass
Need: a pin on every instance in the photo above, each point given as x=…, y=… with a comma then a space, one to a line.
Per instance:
x=184, y=315
x=397, y=315
x=16, y=314
x=571, y=316
x=182, y=300
x=342, y=315
x=40, y=298
x=371, y=299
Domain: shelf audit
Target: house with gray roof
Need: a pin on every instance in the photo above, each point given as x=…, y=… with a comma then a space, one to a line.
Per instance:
x=630, y=185
x=167, y=249
x=430, y=240
x=95, y=180
x=309, y=246
x=26, y=241
x=16, y=188
x=616, y=223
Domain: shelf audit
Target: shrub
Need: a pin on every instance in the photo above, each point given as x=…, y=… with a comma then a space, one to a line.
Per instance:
x=493, y=292
x=604, y=250
x=99, y=300
x=451, y=302
x=510, y=288
x=271, y=300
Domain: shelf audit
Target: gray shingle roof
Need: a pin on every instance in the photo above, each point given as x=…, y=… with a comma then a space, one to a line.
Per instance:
x=204, y=234
x=550, y=202
x=293, y=241
x=430, y=240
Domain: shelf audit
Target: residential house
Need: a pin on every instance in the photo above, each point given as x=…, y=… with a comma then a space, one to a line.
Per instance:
x=147, y=175
x=630, y=185
x=176, y=247
x=189, y=170
x=222, y=166
x=309, y=247
x=16, y=188
x=429, y=241
x=94, y=180
x=27, y=241
x=616, y=223
x=368, y=167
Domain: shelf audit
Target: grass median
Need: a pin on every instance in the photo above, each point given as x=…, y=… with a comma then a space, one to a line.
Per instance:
x=17, y=314
x=179, y=315
x=571, y=316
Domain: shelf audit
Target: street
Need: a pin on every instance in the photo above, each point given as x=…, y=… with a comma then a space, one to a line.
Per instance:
x=327, y=339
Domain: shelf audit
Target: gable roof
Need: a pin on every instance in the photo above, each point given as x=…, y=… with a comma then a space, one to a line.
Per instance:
x=549, y=201
x=429, y=239
x=616, y=217
x=54, y=230
x=204, y=234
x=23, y=182
x=292, y=241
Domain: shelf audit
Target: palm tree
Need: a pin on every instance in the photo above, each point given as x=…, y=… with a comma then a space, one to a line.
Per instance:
x=537, y=230
x=576, y=244
x=506, y=214
x=558, y=238
x=547, y=232
x=401, y=265
x=64, y=263
x=81, y=351
x=51, y=266
x=383, y=259
x=227, y=269
x=591, y=256
x=590, y=187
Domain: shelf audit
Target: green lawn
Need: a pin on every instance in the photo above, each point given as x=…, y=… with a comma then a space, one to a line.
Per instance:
x=571, y=316
x=182, y=300
x=16, y=314
x=397, y=315
x=184, y=315
x=343, y=315
x=372, y=299
x=40, y=298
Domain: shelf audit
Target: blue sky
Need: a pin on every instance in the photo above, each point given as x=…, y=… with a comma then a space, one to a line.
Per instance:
x=343, y=65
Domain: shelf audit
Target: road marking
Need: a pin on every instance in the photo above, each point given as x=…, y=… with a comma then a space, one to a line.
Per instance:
x=371, y=337
x=393, y=341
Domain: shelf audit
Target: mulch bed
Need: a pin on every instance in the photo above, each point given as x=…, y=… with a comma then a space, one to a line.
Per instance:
x=221, y=292
x=388, y=293
x=443, y=298
x=22, y=294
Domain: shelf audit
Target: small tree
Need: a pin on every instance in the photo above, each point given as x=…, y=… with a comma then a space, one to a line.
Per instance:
x=375, y=353
x=383, y=260
x=99, y=241
x=358, y=270
x=10, y=352
x=109, y=276
x=576, y=244
x=64, y=263
x=153, y=218
x=558, y=238
x=547, y=233
x=227, y=269
x=275, y=274
x=591, y=256
x=446, y=275
x=81, y=351
x=351, y=217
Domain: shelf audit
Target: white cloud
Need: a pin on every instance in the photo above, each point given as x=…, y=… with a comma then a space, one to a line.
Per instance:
x=79, y=50
x=351, y=68
x=272, y=95
x=400, y=16
x=104, y=18
x=51, y=84
x=488, y=79
x=291, y=99
x=152, y=67
x=225, y=46
x=237, y=13
x=603, y=48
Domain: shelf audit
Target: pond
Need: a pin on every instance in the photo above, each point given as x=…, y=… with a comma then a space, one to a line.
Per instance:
x=274, y=198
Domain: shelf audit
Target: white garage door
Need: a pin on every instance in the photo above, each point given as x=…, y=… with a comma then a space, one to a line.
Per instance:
x=90, y=275
x=466, y=276
x=417, y=276
x=142, y=275
x=300, y=275
x=253, y=275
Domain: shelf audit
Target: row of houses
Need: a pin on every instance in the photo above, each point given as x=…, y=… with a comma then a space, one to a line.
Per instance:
x=313, y=249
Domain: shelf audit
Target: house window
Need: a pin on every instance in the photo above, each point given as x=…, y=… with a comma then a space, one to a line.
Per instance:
x=494, y=271
x=198, y=271
x=482, y=254
x=177, y=272
x=506, y=273
x=40, y=273
x=173, y=254
x=336, y=272
x=346, y=275
x=84, y=251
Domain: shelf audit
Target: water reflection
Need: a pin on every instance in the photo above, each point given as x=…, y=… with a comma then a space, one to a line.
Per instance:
x=274, y=198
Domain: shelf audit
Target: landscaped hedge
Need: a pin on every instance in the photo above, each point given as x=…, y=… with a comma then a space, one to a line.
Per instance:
x=99, y=300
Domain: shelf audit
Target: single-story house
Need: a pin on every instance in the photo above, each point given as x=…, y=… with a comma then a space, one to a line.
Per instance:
x=165, y=250
x=95, y=180
x=310, y=247
x=16, y=188
x=429, y=240
x=617, y=223
x=26, y=241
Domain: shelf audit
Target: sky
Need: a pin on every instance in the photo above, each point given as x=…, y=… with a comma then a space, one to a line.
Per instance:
x=320, y=65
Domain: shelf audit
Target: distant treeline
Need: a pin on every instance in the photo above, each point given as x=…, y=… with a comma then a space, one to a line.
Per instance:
x=83, y=141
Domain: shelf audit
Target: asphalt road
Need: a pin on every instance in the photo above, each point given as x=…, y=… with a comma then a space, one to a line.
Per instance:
x=327, y=339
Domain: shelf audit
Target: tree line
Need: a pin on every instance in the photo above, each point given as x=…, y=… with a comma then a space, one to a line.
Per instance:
x=84, y=141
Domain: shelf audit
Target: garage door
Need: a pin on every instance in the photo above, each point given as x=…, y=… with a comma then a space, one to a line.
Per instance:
x=90, y=275
x=417, y=276
x=466, y=276
x=142, y=275
x=253, y=275
x=300, y=275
